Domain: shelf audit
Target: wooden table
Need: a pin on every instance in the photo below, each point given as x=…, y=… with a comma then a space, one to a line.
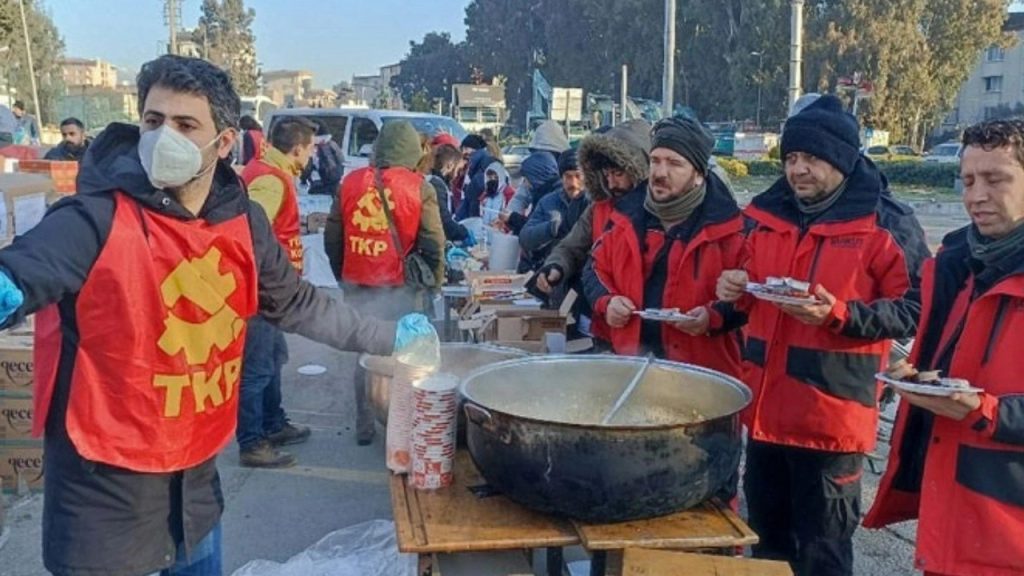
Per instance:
x=456, y=520
x=640, y=562
x=710, y=525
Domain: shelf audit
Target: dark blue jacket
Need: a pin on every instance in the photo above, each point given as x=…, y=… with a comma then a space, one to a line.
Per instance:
x=470, y=206
x=550, y=221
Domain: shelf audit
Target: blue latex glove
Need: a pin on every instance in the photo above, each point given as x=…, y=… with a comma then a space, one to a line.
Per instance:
x=11, y=297
x=416, y=341
x=470, y=240
x=455, y=253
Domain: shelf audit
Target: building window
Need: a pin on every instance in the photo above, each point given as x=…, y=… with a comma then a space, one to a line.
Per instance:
x=995, y=54
x=993, y=83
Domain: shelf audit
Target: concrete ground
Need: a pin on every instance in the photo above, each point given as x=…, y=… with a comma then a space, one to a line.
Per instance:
x=276, y=514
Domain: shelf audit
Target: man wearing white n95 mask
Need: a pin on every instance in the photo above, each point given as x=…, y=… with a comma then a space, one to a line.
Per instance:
x=144, y=282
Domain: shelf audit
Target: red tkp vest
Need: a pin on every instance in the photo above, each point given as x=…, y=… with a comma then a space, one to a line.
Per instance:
x=259, y=145
x=370, y=255
x=161, y=323
x=286, y=223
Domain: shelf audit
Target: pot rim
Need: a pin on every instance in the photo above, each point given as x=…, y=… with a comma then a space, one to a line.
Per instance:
x=740, y=387
x=367, y=361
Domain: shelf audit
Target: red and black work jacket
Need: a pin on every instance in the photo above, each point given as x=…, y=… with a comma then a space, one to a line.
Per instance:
x=601, y=221
x=678, y=268
x=963, y=479
x=814, y=386
x=371, y=257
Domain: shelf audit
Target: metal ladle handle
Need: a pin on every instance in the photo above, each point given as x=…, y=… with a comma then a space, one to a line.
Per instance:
x=628, y=391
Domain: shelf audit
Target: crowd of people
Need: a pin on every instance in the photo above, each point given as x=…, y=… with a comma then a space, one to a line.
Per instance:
x=202, y=263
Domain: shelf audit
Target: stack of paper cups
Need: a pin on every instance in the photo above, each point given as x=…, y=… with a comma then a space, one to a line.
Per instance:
x=401, y=412
x=436, y=405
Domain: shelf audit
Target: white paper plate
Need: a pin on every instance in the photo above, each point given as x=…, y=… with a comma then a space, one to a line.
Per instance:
x=761, y=292
x=924, y=389
x=661, y=316
x=312, y=370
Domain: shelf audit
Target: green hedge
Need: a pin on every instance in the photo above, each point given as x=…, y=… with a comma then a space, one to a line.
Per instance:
x=764, y=168
x=916, y=173
x=902, y=172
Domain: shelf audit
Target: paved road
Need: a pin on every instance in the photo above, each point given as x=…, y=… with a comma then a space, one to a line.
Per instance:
x=276, y=514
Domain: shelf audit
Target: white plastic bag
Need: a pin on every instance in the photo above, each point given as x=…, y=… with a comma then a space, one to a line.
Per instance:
x=367, y=548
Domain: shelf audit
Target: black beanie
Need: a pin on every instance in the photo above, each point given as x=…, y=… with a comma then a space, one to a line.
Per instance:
x=474, y=141
x=825, y=130
x=687, y=137
x=567, y=161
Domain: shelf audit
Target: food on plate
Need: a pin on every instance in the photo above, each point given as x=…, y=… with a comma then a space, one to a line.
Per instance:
x=903, y=371
x=787, y=287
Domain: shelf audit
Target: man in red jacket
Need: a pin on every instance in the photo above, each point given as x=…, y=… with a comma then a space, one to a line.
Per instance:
x=665, y=249
x=270, y=181
x=829, y=222
x=956, y=461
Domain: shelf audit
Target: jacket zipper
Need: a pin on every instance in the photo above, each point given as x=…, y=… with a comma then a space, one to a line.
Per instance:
x=814, y=262
x=1004, y=302
x=696, y=262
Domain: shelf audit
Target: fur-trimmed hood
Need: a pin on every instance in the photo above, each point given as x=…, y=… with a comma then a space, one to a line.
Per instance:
x=627, y=146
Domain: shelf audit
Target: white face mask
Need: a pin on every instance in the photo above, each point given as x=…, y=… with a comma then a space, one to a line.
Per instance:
x=170, y=159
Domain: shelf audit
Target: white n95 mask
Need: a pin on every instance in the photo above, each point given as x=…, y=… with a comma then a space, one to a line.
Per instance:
x=170, y=159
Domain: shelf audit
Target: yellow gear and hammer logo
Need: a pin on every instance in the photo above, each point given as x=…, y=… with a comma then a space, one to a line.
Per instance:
x=370, y=216
x=200, y=282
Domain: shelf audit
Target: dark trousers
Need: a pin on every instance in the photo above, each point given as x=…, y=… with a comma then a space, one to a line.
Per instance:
x=804, y=505
x=259, y=405
x=385, y=303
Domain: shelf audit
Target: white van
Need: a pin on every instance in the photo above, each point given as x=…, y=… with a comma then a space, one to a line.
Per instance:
x=355, y=129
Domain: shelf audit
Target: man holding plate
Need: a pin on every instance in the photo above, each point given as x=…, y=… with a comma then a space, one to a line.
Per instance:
x=829, y=229
x=956, y=459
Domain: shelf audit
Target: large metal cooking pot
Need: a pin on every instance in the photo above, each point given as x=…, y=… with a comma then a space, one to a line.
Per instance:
x=534, y=433
x=456, y=358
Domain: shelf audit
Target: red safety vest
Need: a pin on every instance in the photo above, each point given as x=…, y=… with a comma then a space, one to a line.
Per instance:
x=259, y=145
x=161, y=323
x=370, y=257
x=286, y=222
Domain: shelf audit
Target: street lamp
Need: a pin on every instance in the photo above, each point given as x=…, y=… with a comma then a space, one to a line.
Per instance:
x=760, y=79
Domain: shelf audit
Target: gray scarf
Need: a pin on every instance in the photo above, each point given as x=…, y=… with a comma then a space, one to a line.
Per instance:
x=816, y=207
x=993, y=252
x=676, y=209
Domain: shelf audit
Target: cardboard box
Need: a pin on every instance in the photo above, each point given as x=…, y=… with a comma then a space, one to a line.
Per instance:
x=530, y=325
x=21, y=466
x=63, y=173
x=16, y=364
x=15, y=416
x=24, y=202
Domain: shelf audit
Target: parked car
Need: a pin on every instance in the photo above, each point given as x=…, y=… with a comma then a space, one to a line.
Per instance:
x=895, y=152
x=945, y=153
x=512, y=157
x=903, y=150
x=355, y=129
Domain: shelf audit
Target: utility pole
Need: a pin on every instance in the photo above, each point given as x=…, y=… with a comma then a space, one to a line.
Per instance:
x=625, y=93
x=172, y=10
x=31, y=66
x=760, y=80
x=669, y=78
x=796, y=34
